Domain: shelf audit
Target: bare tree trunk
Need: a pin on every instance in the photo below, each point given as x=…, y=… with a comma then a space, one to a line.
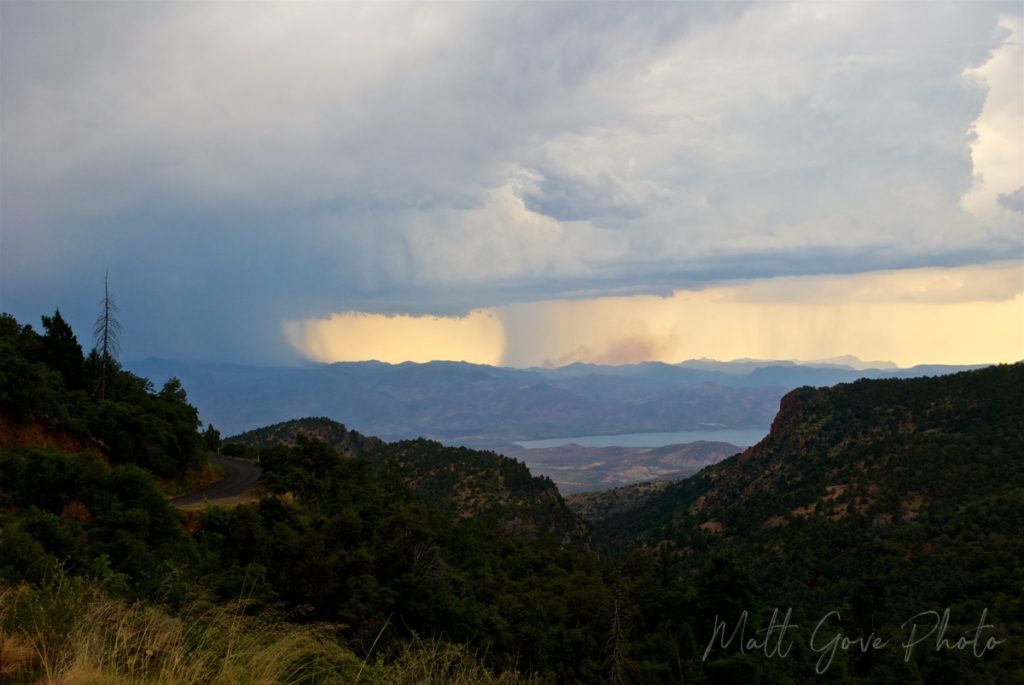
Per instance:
x=616, y=642
x=107, y=334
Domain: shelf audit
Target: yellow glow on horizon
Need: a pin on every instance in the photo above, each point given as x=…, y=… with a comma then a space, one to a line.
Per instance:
x=357, y=336
x=964, y=315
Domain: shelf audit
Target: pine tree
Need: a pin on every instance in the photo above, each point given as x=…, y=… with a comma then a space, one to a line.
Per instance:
x=107, y=334
x=61, y=350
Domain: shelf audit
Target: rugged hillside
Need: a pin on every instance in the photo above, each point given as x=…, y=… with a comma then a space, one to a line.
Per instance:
x=867, y=506
x=77, y=488
x=473, y=483
x=418, y=539
x=603, y=504
x=890, y=450
x=418, y=542
x=461, y=481
x=878, y=500
x=44, y=432
x=335, y=434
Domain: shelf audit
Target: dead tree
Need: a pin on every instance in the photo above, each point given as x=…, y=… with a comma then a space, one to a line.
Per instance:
x=107, y=335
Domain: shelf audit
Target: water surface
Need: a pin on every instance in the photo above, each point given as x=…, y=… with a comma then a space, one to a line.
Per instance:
x=741, y=437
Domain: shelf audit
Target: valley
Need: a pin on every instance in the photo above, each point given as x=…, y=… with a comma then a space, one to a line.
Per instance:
x=575, y=468
x=876, y=500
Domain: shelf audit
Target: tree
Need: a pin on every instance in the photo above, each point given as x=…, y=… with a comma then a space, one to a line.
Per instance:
x=107, y=334
x=616, y=660
x=211, y=438
x=61, y=351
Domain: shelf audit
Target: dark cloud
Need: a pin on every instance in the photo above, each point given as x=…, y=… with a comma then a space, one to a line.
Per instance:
x=240, y=166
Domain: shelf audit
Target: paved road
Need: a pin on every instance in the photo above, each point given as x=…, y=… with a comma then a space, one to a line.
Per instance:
x=239, y=477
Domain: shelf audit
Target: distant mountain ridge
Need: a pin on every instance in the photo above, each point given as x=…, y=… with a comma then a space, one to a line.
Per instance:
x=456, y=401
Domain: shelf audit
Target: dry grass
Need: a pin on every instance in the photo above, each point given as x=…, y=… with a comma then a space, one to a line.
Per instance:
x=71, y=633
x=434, y=662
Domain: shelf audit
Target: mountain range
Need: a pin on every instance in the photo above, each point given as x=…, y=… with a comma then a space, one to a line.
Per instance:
x=874, y=511
x=868, y=505
x=457, y=402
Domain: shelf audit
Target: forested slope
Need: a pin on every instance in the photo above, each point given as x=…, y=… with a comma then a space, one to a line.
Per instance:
x=868, y=505
x=878, y=500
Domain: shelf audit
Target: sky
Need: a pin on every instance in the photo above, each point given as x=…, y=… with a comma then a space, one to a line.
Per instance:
x=518, y=183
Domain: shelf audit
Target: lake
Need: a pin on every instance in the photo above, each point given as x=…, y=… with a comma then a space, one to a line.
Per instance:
x=739, y=437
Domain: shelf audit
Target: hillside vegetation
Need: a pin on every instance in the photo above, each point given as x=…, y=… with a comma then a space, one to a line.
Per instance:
x=868, y=505
x=46, y=382
x=287, y=433
x=416, y=553
x=879, y=500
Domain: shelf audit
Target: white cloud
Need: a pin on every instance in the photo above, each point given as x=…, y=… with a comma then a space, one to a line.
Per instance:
x=503, y=240
x=998, y=150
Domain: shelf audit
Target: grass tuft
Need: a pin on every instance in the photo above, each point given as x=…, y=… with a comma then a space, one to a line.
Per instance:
x=71, y=633
x=68, y=631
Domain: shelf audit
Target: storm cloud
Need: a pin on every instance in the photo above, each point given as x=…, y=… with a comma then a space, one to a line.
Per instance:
x=240, y=166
